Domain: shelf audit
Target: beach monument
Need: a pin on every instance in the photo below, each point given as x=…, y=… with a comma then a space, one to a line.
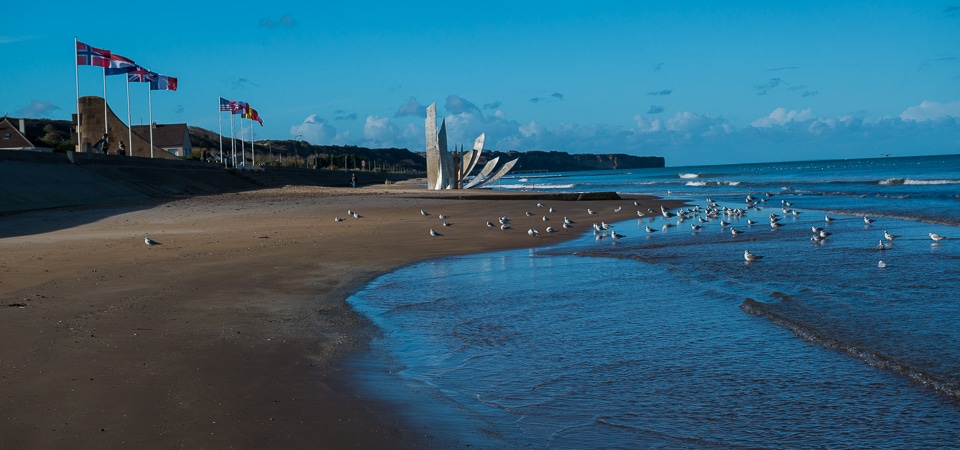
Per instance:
x=445, y=170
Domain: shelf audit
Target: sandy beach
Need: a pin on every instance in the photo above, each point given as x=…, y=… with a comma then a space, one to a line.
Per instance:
x=231, y=332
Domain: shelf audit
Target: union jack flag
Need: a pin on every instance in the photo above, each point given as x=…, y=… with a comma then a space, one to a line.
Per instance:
x=141, y=75
x=92, y=56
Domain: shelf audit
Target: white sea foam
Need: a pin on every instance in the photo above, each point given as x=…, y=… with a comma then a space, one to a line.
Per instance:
x=689, y=175
x=696, y=183
x=930, y=182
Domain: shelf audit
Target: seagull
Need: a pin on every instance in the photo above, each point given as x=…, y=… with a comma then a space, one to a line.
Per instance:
x=148, y=241
x=881, y=264
x=434, y=233
x=695, y=227
x=617, y=209
x=533, y=232
x=650, y=230
x=446, y=224
x=639, y=214
x=546, y=219
x=889, y=236
x=504, y=220
x=867, y=220
x=616, y=235
x=350, y=212
x=441, y=216
x=505, y=227
x=590, y=211
x=881, y=245
x=827, y=218
x=750, y=257
x=567, y=220
x=490, y=224
x=936, y=237
x=551, y=210
x=338, y=219
x=539, y=205
x=528, y=213
x=735, y=231
x=355, y=215
x=751, y=222
x=775, y=225
x=424, y=213
x=551, y=230
x=567, y=225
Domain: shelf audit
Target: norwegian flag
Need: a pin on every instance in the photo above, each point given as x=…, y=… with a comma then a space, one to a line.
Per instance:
x=92, y=56
x=141, y=75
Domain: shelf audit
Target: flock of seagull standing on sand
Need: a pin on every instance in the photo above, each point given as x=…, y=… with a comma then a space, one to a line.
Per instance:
x=699, y=217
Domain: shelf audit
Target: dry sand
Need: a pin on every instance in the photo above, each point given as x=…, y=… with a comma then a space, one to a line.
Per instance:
x=232, y=332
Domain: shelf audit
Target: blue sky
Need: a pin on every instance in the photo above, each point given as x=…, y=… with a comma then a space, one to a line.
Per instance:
x=695, y=82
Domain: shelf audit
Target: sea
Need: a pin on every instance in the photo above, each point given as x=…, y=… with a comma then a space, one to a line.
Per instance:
x=667, y=337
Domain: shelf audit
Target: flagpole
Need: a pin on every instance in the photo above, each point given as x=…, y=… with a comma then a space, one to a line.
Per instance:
x=233, y=143
x=76, y=68
x=243, y=150
x=253, y=156
x=129, y=126
x=105, y=121
x=220, y=119
x=150, y=102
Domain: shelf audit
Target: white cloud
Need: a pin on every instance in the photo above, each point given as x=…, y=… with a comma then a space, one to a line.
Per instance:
x=781, y=116
x=317, y=131
x=380, y=132
x=531, y=129
x=928, y=110
x=645, y=125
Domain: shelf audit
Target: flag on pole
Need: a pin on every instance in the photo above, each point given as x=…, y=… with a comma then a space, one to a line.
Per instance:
x=241, y=108
x=251, y=113
x=163, y=83
x=92, y=56
x=118, y=65
x=140, y=75
x=229, y=105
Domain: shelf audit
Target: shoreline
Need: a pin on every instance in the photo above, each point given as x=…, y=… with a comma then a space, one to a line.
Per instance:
x=234, y=331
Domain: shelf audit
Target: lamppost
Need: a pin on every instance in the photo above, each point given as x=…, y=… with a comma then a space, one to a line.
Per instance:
x=297, y=149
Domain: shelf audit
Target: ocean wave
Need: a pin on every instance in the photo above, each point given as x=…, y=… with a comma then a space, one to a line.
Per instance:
x=869, y=356
x=930, y=182
x=689, y=175
x=696, y=183
x=537, y=186
x=912, y=182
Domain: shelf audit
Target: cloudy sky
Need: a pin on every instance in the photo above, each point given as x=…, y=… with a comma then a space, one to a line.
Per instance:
x=697, y=83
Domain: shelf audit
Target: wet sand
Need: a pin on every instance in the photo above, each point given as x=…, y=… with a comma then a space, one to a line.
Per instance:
x=232, y=332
